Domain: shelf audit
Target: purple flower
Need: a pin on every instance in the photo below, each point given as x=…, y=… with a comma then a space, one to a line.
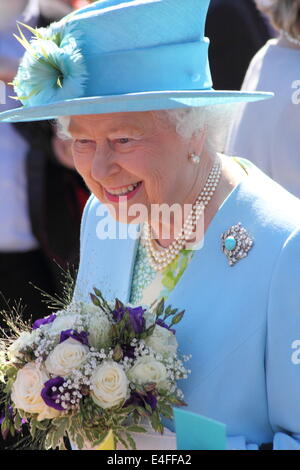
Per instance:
x=136, y=399
x=128, y=351
x=50, y=393
x=81, y=337
x=43, y=321
x=161, y=323
x=136, y=317
x=11, y=416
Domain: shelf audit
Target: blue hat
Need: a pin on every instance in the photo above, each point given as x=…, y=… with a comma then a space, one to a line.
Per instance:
x=118, y=56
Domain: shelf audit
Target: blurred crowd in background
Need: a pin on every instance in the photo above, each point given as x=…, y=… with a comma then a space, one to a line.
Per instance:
x=255, y=45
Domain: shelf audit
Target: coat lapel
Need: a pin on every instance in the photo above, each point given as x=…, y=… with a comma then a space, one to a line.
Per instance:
x=105, y=263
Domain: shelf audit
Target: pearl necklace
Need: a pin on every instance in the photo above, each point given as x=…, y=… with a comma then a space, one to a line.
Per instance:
x=161, y=259
x=290, y=38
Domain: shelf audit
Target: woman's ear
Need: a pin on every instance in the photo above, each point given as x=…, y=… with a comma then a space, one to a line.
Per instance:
x=63, y=152
x=198, y=142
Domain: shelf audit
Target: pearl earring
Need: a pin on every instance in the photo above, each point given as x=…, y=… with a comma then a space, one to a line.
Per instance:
x=194, y=158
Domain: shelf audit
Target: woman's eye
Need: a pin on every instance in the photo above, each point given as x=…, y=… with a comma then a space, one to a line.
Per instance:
x=84, y=145
x=83, y=141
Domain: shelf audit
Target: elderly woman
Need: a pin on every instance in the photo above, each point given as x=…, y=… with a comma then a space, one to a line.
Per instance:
x=134, y=94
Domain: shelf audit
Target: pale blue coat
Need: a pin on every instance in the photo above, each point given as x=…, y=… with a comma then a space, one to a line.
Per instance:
x=241, y=324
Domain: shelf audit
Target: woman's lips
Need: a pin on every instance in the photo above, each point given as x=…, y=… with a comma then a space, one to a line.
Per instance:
x=123, y=197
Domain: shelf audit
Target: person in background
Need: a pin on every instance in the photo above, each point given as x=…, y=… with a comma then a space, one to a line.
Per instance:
x=272, y=141
x=41, y=196
x=76, y=4
x=236, y=30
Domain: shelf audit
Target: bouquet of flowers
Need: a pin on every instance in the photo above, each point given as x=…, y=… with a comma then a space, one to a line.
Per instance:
x=92, y=370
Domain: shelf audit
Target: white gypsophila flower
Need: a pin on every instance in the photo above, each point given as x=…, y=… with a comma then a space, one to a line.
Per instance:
x=26, y=392
x=99, y=329
x=148, y=369
x=25, y=340
x=65, y=357
x=162, y=341
x=109, y=385
x=18, y=345
x=74, y=308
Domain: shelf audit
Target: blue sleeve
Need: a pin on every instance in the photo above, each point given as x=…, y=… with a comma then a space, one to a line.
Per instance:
x=282, y=356
x=76, y=294
x=84, y=219
x=283, y=347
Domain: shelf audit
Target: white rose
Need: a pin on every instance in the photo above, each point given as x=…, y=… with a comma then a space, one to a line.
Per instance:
x=109, y=385
x=48, y=413
x=147, y=369
x=26, y=392
x=63, y=323
x=90, y=309
x=162, y=341
x=65, y=357
x=99, y=331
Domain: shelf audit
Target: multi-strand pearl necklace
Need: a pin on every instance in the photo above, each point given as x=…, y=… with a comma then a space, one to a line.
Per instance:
x=290, y=38
x=160, y=259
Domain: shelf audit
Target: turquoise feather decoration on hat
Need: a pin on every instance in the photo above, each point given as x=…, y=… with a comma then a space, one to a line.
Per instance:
x=52, y=68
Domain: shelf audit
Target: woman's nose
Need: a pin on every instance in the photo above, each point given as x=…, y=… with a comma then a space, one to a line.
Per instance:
x=103, y=164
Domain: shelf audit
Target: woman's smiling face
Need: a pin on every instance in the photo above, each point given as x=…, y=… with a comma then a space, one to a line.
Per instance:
x=135, y=156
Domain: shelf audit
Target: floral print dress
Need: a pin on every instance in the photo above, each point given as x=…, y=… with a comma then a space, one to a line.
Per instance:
x=149, y=285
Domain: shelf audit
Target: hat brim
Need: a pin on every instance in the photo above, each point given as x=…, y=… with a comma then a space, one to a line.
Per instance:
x=132, y=102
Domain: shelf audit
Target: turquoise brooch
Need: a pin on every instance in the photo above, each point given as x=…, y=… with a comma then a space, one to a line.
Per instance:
x=236, y=243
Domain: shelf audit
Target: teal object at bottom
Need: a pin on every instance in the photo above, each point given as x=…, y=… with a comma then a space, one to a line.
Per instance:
x=195, y=432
